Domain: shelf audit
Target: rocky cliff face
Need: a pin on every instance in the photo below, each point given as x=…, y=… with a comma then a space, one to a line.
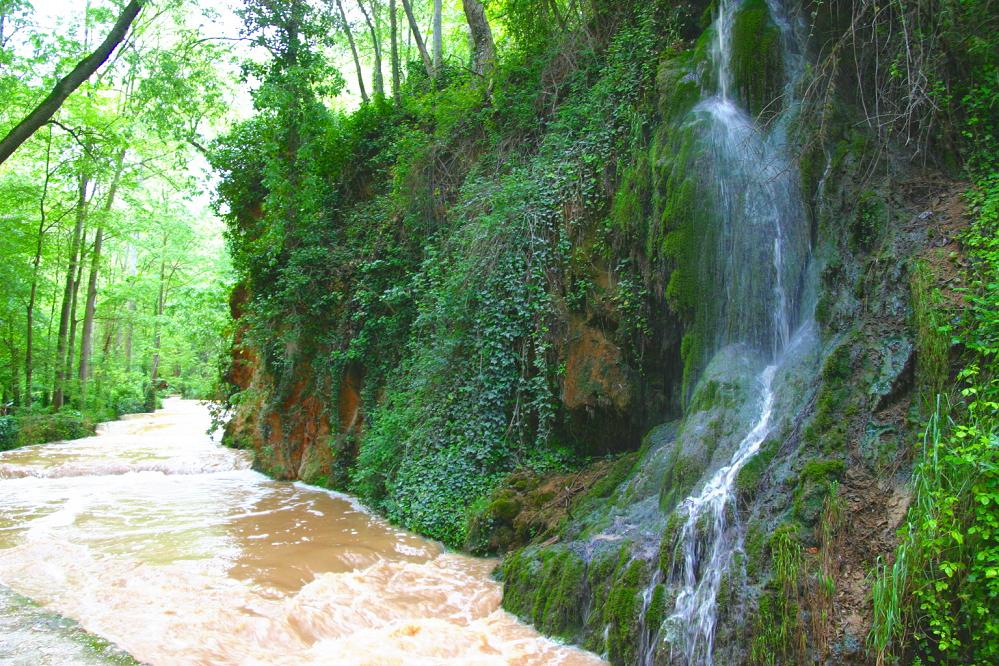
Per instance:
x=581, y=354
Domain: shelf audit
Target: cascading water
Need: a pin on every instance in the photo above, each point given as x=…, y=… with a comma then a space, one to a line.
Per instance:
x=760, y=258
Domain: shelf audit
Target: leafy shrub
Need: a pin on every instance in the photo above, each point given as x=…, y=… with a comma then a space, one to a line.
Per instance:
x=939, y=595
x=64, y=425
x=8, y=432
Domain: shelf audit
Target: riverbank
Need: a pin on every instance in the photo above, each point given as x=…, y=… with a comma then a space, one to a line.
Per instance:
x=33, y=636
x=38, y=428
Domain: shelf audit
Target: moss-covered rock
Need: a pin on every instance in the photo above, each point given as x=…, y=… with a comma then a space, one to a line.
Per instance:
x=757, y=62
x=622, y=610
x=815, y=483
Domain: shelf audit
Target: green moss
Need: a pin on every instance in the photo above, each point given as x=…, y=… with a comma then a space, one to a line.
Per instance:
x=621, y=470
x=622, y=610
x=517, y=572
x=546, y=588
x=757, y=65
x=749, y=477
x=754, y=545
x=822, y=470
x=835, y=402
x=714, y=393
x=693, y=350
x=932, y=339
x=667, y=543
x=627, y=211
x=490, y=523
x=869, y=222
x=504, y=508
x=680, y=478
x=815, y=483
x=837, y=367
x=558, y=597
x=656, y=612
x=679, y=89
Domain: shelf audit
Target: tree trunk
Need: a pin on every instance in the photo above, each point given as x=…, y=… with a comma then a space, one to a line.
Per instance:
x=58, y=388
x=128, y=337
x=438, y=38
x=154, y=373
x=394, y=50
x=484, y=56
x=30, y=333
x=66, y=85
x=29, y=341
x=73, y=321
x=377, y=81
x=48, y=369
x=87, y=337
x=15, y=371
x=353, y=50
x=415, y=30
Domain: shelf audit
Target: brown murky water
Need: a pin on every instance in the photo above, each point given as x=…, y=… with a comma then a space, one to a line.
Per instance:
x=155, y=538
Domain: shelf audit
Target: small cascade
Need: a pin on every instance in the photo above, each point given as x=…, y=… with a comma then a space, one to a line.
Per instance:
x=761, y=255
x=709, y=537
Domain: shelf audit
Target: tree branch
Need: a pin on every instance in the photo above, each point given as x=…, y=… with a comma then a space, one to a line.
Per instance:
x=66, y=85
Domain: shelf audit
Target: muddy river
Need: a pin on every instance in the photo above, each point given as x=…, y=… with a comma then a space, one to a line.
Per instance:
x=153, y=538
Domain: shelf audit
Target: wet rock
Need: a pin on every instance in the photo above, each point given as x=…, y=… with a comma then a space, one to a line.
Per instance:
x=895, y=374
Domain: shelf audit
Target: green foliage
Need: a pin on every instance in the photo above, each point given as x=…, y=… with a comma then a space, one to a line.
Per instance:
x=8, y=432
x=779, y=630
x=869, y=222
x=932, y=337
x=370, y=239
x=41, y=428
x=937, y=597
x=159, y=287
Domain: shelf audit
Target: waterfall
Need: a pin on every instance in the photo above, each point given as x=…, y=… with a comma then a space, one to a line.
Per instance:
x=761, y=254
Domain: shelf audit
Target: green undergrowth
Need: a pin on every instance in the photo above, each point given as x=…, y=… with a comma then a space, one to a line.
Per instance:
x=39, y=428
x=439, y=245
x=778, y=629
x=935, y=601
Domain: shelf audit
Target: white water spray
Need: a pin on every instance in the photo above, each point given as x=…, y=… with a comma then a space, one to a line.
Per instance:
x=709, y=537
x=758, y=199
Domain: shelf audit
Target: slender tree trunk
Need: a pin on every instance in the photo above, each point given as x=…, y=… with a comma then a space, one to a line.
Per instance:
x=128, y=336
x=73, y=321
x=353, y=50
x=29, y=346
x=58, y=388
x=86, y=339
x=66, y=85
x=154, y=373
x=394, y=50
x=377, y=81
x=438, y=38
x=29, y=341
x=130, y=269
x=48, y=369
x=482, y=37
x=87, y=335
x=415, y=29
x=15, y=371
